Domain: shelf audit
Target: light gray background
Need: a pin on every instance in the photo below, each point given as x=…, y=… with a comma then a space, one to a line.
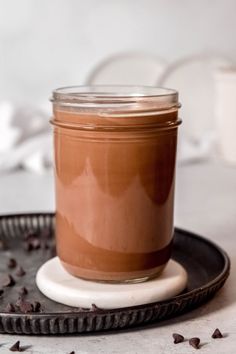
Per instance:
x=46, y=44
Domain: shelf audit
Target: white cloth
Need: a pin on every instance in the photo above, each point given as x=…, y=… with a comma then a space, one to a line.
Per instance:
x=225, y=113
x=25, y=138
x=192, y=151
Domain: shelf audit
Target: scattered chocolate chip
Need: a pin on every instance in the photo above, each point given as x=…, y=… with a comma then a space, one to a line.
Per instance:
x=16, y=347
x=32, y=243
x=23, y=291
x=194, y=342
x=8, y=280
x=25, y=306
x=72, y=352
x=217, y=334
x=36, y=306
x=10, y=308
x=12, y=263
x=178, y=338
x=20, y=272
x=1, y=292
x=95, y=308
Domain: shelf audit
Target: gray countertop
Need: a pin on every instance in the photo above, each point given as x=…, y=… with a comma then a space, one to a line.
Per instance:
x=206, y=204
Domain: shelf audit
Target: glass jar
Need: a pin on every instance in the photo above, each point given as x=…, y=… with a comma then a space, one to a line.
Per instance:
x=115, y=153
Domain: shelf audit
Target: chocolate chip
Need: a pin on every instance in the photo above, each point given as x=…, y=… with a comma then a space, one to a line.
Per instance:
x=32, y=243
x=36, y=306
x=95, y=308
x=72, y=352
x=12, y=263
x=1, y=292
x=25, y=306
x=7, y=281
x=178, y=338
x=217, y=334
x=10, y=308
x=23, y=291
x=194, y=342
x=20, y=272
x=16, y=347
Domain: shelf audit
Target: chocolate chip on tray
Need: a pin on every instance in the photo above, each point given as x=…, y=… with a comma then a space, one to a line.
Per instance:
x=36, y=306
x=95, y=308
x=12, y=263
x=32, y=241
x=16, y=347
x=10, y=307
x=178, y=338
x=20, y=272
x=26, y=306
x=217, y=334
x=32, y=244
x=195, y=342
x=1, y=292
x=72, y=352
x=23, y=291
x=7, y=281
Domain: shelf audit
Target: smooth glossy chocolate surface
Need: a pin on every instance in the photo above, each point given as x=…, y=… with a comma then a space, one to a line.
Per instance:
x=114, y=192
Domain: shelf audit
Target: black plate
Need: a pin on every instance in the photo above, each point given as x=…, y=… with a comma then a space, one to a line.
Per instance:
x=207, y=266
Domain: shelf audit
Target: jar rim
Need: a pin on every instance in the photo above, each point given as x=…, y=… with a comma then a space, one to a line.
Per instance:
x=115, y=97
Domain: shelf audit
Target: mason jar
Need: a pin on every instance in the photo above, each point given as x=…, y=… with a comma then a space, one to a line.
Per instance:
x=115, y=156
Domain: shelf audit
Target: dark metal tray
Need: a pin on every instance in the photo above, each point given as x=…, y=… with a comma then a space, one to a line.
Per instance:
x=207, y=266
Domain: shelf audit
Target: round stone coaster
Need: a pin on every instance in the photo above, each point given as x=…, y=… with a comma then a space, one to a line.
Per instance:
x=58, y=285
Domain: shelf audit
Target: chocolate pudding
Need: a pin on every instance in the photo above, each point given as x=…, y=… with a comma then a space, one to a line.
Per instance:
x=114, y=173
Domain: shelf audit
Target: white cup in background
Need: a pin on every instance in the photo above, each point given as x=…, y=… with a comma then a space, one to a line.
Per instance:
x=225, y=106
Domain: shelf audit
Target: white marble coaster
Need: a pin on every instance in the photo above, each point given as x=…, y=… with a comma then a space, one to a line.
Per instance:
x=58, y=285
